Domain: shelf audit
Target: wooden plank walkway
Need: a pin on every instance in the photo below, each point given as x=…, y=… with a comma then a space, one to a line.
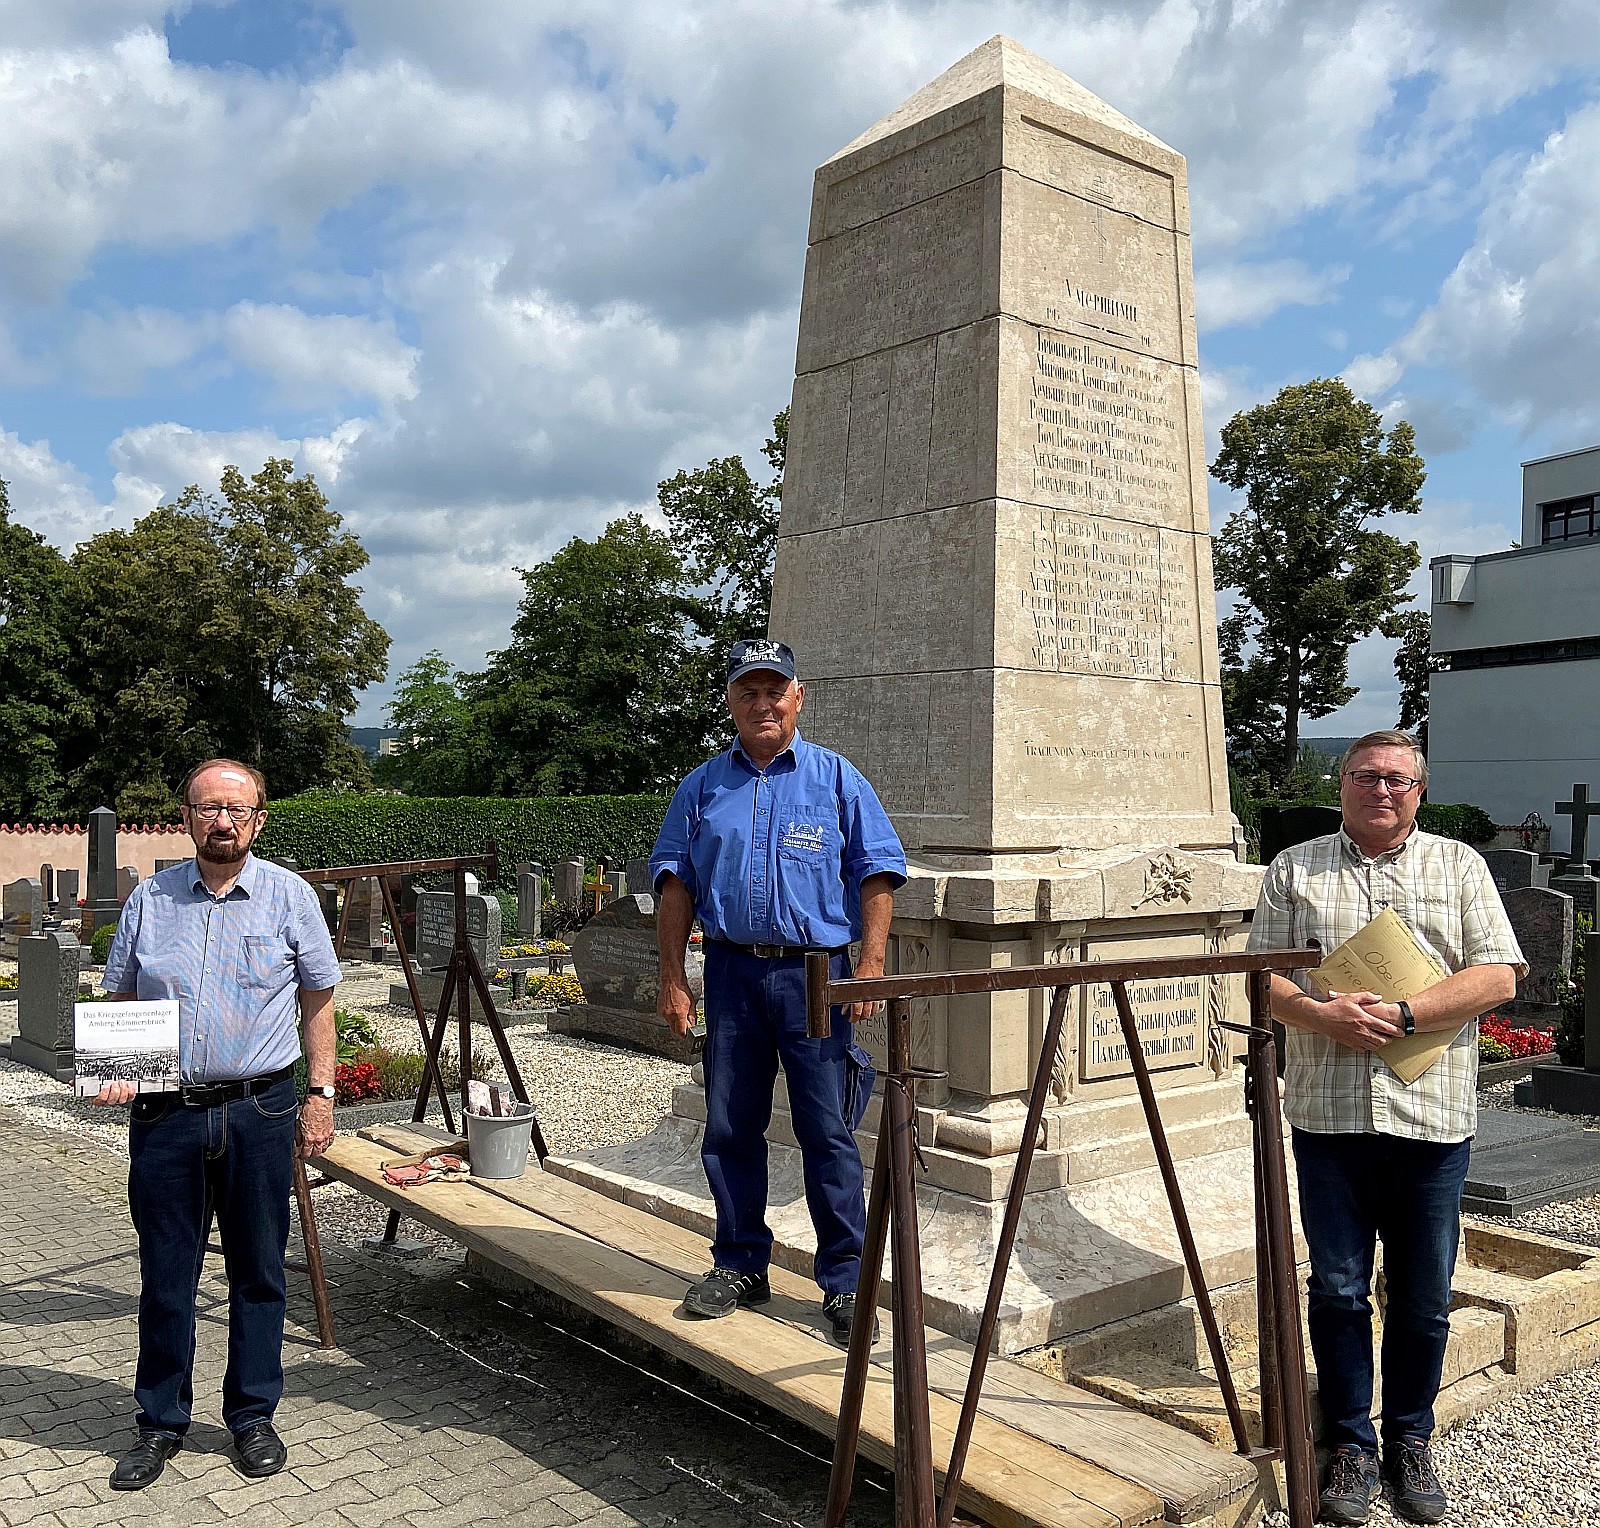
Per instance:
x=1043, y=1453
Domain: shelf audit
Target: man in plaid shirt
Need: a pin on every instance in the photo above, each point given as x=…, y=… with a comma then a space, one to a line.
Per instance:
x=1377, y=1158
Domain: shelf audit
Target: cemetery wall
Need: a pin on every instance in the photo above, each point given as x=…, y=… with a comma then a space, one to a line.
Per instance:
x=24, y=849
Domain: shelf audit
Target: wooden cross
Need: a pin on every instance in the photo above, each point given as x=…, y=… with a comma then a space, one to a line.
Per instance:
x=1580, y=809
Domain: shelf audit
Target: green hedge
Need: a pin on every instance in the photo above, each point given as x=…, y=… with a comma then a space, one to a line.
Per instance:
x=358, y=829
x=1471, y=824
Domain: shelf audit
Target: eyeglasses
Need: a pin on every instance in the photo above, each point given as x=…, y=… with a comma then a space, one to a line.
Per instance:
x=211, y=810
x=1370, y=780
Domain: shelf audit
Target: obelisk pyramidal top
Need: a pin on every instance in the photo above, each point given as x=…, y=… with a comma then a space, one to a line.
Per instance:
x=994, y=561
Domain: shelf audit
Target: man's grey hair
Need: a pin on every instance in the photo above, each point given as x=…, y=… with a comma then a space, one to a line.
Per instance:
x=1389, y=739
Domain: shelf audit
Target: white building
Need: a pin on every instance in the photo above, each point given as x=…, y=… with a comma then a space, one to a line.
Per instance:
x=1514, y=721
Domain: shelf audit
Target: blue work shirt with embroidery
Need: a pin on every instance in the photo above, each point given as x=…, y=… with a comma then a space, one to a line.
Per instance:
x=778, y=855
x=235, y=964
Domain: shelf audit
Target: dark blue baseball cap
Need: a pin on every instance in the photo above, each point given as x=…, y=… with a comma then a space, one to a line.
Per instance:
x=760, y=653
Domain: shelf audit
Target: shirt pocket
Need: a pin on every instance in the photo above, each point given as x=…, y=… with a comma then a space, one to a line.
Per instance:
x=263, y=959
x=809, y=836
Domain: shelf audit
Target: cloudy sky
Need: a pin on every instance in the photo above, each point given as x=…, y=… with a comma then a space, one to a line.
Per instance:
x=493, y=268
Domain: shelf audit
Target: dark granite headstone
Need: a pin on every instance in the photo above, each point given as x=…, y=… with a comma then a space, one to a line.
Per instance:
x=1282, y=827
x=21, y=913
x=47, y=886
x=614, y=958
x=363, y=935
x=67, y=882
x=616, y=885
x=127, y=879
x=1542, y=919
x=1513, y=868
x=167, y=864
x=101, y=902
x=530, y=900
x=48, y=969
x=436, y=929
x=639, y=883
x=1584, y=890
x=569, y=883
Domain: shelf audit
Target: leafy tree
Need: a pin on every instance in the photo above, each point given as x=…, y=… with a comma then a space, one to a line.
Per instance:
x=443, y=749
x=1413, y=663
x=600, y=691
x=39, y=705
x=1316, y=466
x=223, y=627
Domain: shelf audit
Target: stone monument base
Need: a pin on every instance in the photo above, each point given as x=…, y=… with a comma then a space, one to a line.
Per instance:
x=42, y=1058
x=643, y=1031
x=430, y=985
x=1096, y=1243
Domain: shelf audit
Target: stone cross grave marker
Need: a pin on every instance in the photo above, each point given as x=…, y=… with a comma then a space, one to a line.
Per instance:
x=1580, y=809
x=569, y=882
x=21, y=912
x=639, y=883
x=436, y=929
x=48, y=967
x=530, y=899
x=102, y=901
x=1512, y=868
x=614, y=957
x=1542, y=920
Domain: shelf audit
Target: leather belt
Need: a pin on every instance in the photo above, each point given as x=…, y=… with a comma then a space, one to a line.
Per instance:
x=780, y=951
x=206, y=1095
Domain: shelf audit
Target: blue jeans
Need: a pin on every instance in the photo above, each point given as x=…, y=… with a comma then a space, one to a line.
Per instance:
x=1355, y=1189
x=755, y=1019
x=234, y=1163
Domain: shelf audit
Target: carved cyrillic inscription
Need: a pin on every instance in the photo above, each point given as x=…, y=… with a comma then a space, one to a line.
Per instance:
x=1167, y=1015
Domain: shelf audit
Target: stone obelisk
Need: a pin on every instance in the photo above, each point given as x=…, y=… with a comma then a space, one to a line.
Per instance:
x=994, y=567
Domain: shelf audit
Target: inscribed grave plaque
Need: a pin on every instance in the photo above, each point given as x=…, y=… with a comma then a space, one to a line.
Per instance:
x=1512, y=868
x=1542, y=920
x=1171, y=1019
x=436, y=929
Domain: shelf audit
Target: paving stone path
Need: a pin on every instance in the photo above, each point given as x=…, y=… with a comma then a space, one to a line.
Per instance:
x=448, y=1403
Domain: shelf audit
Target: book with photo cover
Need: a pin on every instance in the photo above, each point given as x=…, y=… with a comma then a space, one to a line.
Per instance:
x=1386, y=957
x=125, y=1042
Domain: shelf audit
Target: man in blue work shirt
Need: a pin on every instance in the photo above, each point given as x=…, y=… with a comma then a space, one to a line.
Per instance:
x=780, y=848
x=242, y=946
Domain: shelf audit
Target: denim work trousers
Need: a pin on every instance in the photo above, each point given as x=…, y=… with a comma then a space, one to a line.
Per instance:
x=755, y=1019
x=1355, y=1189
x=235, y=1163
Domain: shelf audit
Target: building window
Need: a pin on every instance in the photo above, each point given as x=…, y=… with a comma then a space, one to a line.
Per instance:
x=1569, y=519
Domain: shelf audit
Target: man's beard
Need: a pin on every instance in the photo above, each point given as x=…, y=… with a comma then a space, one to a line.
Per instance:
x=215, y=851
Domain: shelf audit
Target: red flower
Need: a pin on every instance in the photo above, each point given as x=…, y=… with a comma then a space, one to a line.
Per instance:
x=354, y=1082
x=1519, y=1041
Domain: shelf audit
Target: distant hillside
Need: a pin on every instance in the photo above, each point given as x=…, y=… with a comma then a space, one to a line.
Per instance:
x=368, y=738
x=1334, y=747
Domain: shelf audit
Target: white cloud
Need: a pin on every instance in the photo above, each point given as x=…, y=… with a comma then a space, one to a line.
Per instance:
x=1248, y=293
x=316, y=359
x=1370, y=376
x=114, y=351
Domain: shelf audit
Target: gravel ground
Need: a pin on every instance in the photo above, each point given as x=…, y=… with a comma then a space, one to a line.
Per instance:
x=1533, y=1459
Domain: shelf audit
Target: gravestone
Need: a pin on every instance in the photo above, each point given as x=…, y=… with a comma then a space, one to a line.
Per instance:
x=48, y=967
x=21, y=913
x=530, y=900
x=67, y=893
x=639, y=882
x=167, y=864
x=1282, y=827
x=436, y=929
x=1584, y=889
x=1572, y=1089
x=47, y=887
x=1520, y=1161
x=614, y=958
x=1542, y=920
x=102, y=904
x=363, y=937
x=127, y=879
x=996, y=417
x=569, y=883
x=1512, y=868
x=1580, y=809
x=616, y=883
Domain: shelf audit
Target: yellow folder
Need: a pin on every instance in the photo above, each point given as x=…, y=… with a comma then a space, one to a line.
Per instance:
x=1386, y=957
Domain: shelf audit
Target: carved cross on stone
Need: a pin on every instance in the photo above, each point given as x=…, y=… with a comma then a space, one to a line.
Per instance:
x=1580, y=809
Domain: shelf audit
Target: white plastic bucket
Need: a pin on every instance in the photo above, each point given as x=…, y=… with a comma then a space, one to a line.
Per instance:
x=498, y=1146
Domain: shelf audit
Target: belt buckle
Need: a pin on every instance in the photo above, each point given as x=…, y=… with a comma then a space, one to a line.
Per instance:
x=767, y=951
x=192, y=1094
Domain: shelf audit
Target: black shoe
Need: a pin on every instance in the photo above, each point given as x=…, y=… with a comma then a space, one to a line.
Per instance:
x=261, y=1450
x=1350, y=1486
x=841, y=1313
x=1417, y=1492
x=143, y=1463
x=723, y=1290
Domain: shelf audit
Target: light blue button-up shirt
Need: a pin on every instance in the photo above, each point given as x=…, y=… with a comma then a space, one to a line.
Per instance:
x=778, y=855
x=235, y=964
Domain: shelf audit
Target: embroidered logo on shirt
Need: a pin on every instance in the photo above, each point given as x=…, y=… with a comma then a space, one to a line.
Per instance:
x=808, y=837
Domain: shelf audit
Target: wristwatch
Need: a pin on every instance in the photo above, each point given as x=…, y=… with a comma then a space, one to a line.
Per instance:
x=327, y=1090
x=1406, y=1017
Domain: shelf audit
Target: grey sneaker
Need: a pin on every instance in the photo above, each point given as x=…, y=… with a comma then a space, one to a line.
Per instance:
x=1418, y=1496
x=724, y=1290
x=1350, y=1487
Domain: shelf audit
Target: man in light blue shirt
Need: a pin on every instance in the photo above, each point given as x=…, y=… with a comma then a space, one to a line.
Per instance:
x=780, y=848
x=241, y=946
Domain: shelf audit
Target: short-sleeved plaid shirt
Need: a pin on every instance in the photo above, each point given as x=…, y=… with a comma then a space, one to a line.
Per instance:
x=1327, y=890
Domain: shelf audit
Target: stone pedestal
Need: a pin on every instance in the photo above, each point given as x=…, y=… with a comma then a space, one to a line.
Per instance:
x=994, y=567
